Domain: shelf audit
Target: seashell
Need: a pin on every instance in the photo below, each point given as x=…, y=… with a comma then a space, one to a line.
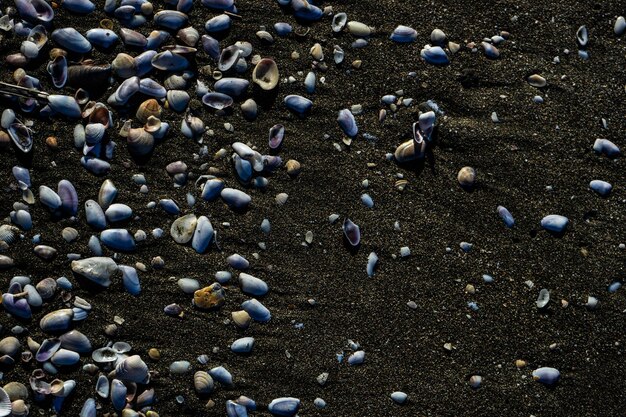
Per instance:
x=169, y=61
x=228, y=58
x=212, y=189
x=234, y=87
x=285, y=406
x=8, y=233
x=151, y=88
x=89, y=408
x=64, y=357
x=21, y=136
x=65, y=105
x=79, y=6
x=256, y=310
x=347, y=123
x=169, y=206
x=94, y=133
x=133, y=38
x=298, y=104
x=9, y=346
x=467, y=177
x=189, y=36
x=124, y=65
x=282, y=29
x=75, y=341
x=243, y=169
x=188, y=285
x=546, y=375
x=211, y=46
x=352, y=232
x=94, y=215
x=426, y=124
x=57, y=68
x=146, y=398
x=148, y=108
x=235, y=199
x=606, y=147
x=37, y=11
x=104, y=355
x=221, y=375
x=372, y=261
x=253, y=286
x=209, y=297
x=543, y=299
x=132, y=369
x=359, y=29
x=140, y=142
x=143, y=65
x=243, y=345
x=86, y=76
x=339, y=22
x=309, y=82
x=203, y=383
x=179, y=367
x=45, y=252
x=235, y=410
x=490, y=51
x=276, y=136
x=70, y=39
x=6, y=262
x=303, y=10
x=237, y=261
x=620, y=26
x=118, y=394
x=403, y=34
x=537, y=81
x=170, y=19
x=241, y=319
x=97, y=269
x=603, y=188
x=228, y=5
x=130, y=279
x=202, y=235
x=218, y=23
x=582, y=36
x=69, y=198
x=555, y=223
x=69, y=234
x=438, y=37
x=118, y=239
x=178, y=100
x=192, y=127
x=95, y=165
x=153, y=126
x=217, y=101
x=102, y=386
x=434, y=55
x=104, y=38
x=357, y=358
x=5, y=402
x=107, y=194
x=22, y=218
x=506, y=216
x=182, y=229
x=49, y=198
x=57, y=321
x=265, y=74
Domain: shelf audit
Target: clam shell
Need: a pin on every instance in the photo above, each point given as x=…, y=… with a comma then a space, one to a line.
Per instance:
x=118, y=239
x=236, y=199
x=347, y=123
x=75, y=341
x=252, y=285
x=242, y=345
x=133, y=369
x=140, y=142
x=352, y=232
x=57, y=321
x=241, y=318
x=118, y=394
x=265, y=74
x=256, y=310
x=217, y=101
x=130, y=279
x=107, y=194
x=228, y=58
x=285, y=406
x=70, y=39
x=203, y=383
x=5, y=403
x=221, y=375
x=202, y=235
x=276, y=136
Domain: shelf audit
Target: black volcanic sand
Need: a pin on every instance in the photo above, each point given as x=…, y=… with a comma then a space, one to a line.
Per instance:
x=533, y=146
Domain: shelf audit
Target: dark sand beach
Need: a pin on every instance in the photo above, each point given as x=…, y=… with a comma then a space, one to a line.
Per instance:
x=538, y=160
